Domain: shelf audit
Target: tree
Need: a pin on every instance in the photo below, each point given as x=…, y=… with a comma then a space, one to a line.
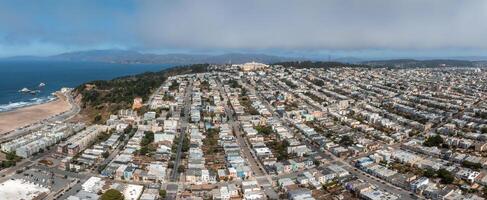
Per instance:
x=105, y=154
x=97, y=118
x=243, y=92
x=484, y=191
x=346, y=141
x=471, y=165
x=429, y=173
x=181, y=169
x=234, y=84
x=264, y=130
x=162, y=193
x=11, y=155
x=186, y=144
x=433, y=141
x=446, y=176
x=127, y=129
x=484, y=129
x=112, y=194
x=280, y=149
x=174, y=85
x=144, y=150
x=316, y=163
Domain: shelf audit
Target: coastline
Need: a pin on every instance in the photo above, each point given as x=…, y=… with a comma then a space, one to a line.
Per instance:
x=23, y=104
x=24, y=116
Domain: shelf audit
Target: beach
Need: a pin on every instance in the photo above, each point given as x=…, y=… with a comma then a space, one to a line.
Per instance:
x=21, y=117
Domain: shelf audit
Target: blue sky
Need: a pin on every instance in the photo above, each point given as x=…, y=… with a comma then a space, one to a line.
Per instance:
x=366, y=29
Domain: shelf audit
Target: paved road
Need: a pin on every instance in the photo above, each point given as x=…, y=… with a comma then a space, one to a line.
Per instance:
x=62, y=117
x=115, y=152
x=262, y=177
x=26, y=162
x=152, y=96
x=182, y=134
x=172, y=188
x=404, y=194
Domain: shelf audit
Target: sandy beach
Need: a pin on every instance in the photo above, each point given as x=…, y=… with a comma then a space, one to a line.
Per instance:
x=24, y=116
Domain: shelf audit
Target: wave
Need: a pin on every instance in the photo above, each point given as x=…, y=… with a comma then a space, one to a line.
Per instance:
x=30, y=102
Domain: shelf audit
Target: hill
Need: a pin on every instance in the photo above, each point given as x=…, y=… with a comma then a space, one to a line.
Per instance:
x=101, y=97
x=125, y=56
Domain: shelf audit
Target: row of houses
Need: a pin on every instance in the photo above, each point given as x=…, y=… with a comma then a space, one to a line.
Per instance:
x=37, y=141
x=236, y=165
x=314, y=177
x=81, y=140
x=196, y=172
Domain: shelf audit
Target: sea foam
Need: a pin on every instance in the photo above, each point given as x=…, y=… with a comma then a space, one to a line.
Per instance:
x=21, y=104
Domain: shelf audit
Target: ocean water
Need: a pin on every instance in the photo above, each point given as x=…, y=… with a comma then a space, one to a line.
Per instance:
x=15, y=75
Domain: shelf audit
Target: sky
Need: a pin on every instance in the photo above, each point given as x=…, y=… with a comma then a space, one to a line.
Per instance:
x=311, y=28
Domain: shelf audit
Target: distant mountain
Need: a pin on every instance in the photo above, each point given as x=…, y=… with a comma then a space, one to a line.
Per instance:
x=243, y=58
x=98, y=55
x=405, y=63
x=124, y=56
x=351, y=60
x=127, y=56
x=23, y=58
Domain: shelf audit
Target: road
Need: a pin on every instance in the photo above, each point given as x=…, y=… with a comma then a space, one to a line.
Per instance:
x=404, y=194
x=262, y=177
x=152, y=96
x=61, y=117
x=172, y=188
x=114, y=153
x=183, y=123
x=26, y=162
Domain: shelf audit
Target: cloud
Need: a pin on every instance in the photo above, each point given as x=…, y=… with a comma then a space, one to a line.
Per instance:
x=62, y=25
x=254, y=25
x=315, y=24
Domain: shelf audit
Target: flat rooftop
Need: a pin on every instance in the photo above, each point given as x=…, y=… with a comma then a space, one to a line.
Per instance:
x=19, y=189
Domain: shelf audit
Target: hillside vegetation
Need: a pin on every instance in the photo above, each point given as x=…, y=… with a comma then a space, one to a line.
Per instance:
x=101, y=97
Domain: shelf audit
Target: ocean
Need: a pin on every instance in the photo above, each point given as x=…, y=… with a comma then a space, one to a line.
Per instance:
x=16, y=75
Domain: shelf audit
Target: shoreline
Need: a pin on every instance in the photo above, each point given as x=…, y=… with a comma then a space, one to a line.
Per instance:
x=25, y=116
x=50, y=98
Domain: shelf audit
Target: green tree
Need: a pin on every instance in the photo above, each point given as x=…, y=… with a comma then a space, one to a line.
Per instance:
x=148, y=138
x=11, y=156
x=105, y=154
x=471, y=165
x=181, y=169
x=429, y=173
x=174, y=85
x=264, y=130
x=433, y=141
x=446, y=176
x=112, y=194
x=162, y=193
x=346, y=141
x=280, y=149
x=97, y=118
x=186, y=144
